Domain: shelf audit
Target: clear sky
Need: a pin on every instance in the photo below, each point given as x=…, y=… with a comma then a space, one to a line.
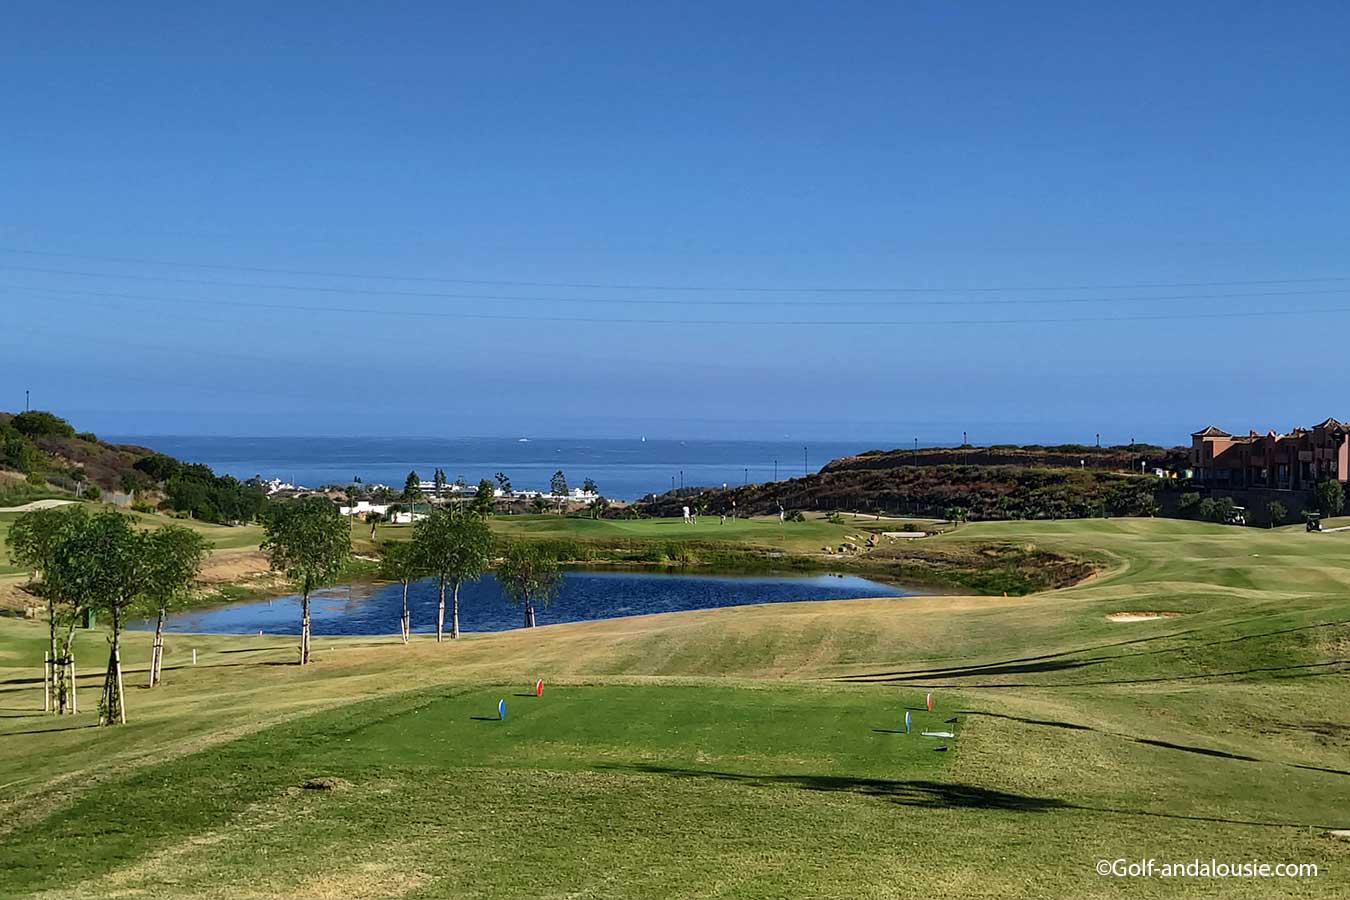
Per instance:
x=603, y=219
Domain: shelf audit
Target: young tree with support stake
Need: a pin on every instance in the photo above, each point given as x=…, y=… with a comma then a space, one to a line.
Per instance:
x=33, y=539
x=174, y=556
x=401, y=562
x=455, y=548
x=528, y=574
x=103, y=564
x=308, y=542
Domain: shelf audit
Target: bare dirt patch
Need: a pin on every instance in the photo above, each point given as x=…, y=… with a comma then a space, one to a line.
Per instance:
x=1140, y=616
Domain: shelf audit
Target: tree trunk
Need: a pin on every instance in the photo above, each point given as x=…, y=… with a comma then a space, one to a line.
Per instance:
x=404, y=621
x=112, y=709
x=49, y=679
x=529, y=614
x=440, y=615
x=454, y=612
x=304, y=628
x=157, y=649
x=65, y=687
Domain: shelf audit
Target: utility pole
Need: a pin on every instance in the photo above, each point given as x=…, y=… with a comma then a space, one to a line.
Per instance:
x=746, y=480
x=916, y=452
x=804, y=465
x=775, y=470
x=682, y=479
x=25, y=399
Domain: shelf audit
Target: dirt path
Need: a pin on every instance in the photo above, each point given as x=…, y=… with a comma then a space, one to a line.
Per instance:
x=35, y=505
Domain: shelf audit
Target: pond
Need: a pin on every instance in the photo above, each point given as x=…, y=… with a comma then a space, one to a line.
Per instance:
x=370, y=609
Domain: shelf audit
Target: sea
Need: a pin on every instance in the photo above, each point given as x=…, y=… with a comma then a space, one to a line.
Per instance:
x=624, y=469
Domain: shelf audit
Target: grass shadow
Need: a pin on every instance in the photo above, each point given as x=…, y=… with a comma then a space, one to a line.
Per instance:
x=936, y=795
x=930, y=794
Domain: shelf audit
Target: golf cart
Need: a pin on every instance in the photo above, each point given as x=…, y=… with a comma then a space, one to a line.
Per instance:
x=1314, y=522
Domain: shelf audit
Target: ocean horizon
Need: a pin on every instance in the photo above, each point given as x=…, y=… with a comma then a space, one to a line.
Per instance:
x=622, y=468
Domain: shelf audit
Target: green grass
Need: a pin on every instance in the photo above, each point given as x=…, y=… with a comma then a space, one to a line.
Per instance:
x=765, y=533
x=742, y=752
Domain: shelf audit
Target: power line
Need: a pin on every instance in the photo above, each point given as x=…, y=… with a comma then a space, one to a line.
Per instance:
x=690, y=288
x=816, y=323
x=644, y=301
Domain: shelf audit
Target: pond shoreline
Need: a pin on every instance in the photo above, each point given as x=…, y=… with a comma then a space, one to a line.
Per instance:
x=585, y=594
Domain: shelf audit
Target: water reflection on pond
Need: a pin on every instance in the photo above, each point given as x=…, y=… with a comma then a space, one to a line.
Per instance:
x=368, y=609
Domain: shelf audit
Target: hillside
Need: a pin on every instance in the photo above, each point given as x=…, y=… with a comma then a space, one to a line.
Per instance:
x=977, y=492
x=42, y=455
x=1122, y=458
x=44, y=451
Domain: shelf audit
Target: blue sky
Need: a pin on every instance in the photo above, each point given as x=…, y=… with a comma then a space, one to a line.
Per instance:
x=190, y=195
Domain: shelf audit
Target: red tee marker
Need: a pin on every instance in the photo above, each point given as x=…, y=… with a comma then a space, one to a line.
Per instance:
x=539, y=688
x=929, y=701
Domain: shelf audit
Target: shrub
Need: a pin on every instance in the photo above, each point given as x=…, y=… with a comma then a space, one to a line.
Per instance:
x=39, y=423
x=1275, y=509
x=16, y=450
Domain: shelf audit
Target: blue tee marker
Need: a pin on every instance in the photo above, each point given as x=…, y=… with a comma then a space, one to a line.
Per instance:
x=906, y=721
x=501, y=710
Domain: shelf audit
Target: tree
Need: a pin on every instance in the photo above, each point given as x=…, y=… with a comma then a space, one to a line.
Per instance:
x=103, y=565
x=33, y=539
x=412, y=492
x=503, y=482
x=401, y=562
x=558, y=484
x=308, y=542
x=373, y=519
x=589, y=486
x=598, y=507
x=351, y=493
x=1276, y=511
x=438, y=482
x=528, y=574
x=173, y=557
x=1188, y=507
x=1329, y=497
x=454, y=548
x=483, y=499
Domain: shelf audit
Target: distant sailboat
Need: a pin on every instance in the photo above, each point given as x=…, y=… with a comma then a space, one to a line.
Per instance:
x=644, y=440
x=522, y=440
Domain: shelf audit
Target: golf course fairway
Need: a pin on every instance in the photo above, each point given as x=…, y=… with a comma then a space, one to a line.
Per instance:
x=745, y=752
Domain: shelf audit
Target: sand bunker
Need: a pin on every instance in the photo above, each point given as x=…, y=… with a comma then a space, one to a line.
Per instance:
x=1140, y=616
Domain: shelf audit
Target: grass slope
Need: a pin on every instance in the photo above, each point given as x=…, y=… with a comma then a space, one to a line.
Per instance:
x=744, y=752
